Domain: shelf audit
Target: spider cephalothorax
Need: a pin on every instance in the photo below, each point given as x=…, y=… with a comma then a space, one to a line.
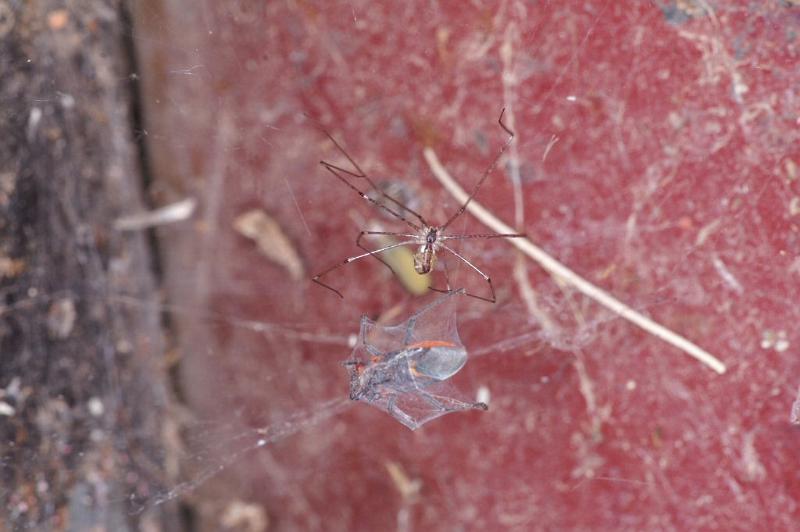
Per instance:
x=425, y=257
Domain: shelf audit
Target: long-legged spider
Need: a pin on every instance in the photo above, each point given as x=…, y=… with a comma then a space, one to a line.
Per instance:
x=428, y=237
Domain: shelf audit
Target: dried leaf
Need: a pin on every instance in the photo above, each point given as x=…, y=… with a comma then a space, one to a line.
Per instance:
x=272, y=242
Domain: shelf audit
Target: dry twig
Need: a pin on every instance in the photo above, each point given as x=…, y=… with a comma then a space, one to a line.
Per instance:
x=555, y=268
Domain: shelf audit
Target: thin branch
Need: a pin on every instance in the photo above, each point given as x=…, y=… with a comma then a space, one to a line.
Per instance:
x=557, y=269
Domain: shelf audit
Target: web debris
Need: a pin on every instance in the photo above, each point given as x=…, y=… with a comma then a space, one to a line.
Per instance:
x=403, y=369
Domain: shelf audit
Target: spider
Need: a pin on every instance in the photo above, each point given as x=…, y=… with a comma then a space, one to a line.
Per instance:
x=402, y=369
x=428, y=238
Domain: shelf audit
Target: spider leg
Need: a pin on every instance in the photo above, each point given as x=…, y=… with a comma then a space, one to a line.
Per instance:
x=389, y=233
x=488, y=235
x=468, y=263
x=332, y=168
x=447, y=290
x=368, y=233
x=464, y=237
x=348, y=260
x=446, y=272
x=486, y=172
x=361, y=174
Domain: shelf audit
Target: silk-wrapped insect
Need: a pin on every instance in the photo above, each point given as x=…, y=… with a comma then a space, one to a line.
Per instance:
x=405, y=369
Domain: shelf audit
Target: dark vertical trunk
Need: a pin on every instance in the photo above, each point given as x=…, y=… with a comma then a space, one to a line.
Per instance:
x=75, y=436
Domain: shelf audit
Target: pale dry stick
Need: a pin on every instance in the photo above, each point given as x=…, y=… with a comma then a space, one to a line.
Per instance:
x=560, y=271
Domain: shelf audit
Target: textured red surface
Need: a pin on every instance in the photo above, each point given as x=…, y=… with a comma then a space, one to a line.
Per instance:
x=658, y=149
